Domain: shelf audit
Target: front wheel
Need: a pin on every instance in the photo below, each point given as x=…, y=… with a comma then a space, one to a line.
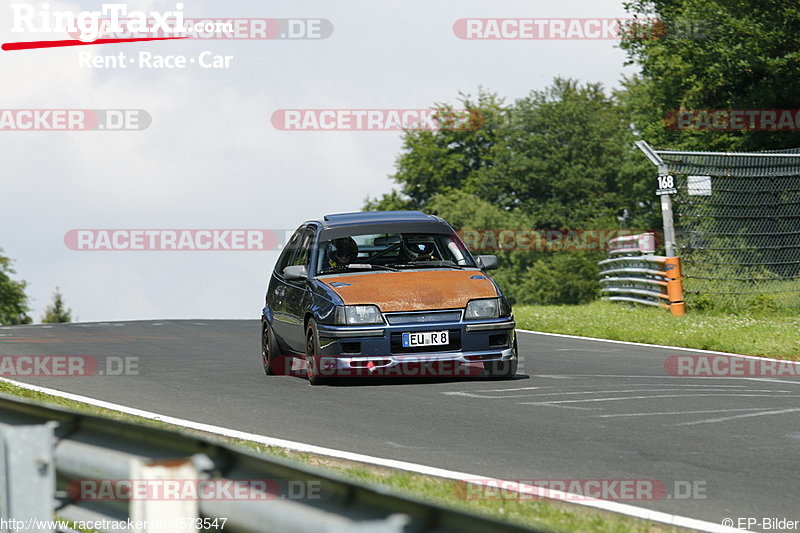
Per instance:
x=312, y=355
x=273, y=363
x=268, y=350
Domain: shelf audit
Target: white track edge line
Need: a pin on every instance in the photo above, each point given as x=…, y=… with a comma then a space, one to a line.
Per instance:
x=663, y=346
x=620, y=508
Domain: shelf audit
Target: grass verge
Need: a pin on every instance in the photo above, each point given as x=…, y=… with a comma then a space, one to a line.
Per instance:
x=543, y=515
x=759, y=333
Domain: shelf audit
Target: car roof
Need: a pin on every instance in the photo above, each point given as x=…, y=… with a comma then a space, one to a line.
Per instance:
x=374, y=217
x=348, y=224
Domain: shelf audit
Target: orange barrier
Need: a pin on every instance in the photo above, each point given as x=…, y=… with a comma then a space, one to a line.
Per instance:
x=672, y=266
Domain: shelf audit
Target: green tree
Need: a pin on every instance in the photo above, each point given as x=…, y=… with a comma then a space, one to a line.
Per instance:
x=562, y=278
x=563, y=155
x=13, y=301
x=713, y=54
x=433, y=161
x=559, y=158
x=57, y=312
x=566, y=159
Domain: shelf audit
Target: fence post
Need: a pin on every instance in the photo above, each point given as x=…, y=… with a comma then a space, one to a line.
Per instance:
x=151, y=514
x=666, y=217
x=666, y=187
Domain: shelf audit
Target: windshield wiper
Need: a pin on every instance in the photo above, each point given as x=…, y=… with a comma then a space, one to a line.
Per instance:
x=372, y=265
x=430, y=264
x=357, y=266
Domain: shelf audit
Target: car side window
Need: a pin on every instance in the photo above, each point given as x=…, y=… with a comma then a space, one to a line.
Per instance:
x=290, y=251
x=304, y=249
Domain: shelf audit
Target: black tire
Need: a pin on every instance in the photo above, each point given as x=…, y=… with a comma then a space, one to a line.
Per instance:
x=268, y=349
x=503, y=369
x=312, y=355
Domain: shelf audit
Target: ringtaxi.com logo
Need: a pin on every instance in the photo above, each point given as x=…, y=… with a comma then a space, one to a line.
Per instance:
x=67, y=366
x=74, y=119
x=115, y=23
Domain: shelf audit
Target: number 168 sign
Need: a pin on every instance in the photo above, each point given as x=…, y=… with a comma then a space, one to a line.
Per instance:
x=666, y=185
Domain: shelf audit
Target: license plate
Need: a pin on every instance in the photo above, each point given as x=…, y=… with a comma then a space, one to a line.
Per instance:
x=426, y=338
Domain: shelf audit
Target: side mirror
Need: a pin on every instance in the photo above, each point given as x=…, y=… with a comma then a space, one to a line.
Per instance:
x=295, y=273
x=487, y=262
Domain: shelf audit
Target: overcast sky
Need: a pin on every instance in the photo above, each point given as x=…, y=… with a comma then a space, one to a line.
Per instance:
x=211, y=157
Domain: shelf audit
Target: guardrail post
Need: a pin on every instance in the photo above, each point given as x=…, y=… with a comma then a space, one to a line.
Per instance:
x=672, y=266
x=27, y=477
x=169, y=511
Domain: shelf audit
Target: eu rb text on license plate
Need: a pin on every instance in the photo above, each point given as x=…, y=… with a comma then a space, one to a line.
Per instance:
x=426, y=338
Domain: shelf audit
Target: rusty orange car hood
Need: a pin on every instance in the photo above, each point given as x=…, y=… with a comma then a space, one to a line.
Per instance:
x=413, y=291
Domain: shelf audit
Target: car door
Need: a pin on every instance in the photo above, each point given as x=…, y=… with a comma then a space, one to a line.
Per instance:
x=276, y=295
x=296, y=295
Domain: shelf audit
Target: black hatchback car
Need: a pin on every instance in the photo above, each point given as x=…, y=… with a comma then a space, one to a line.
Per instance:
x=381, y=294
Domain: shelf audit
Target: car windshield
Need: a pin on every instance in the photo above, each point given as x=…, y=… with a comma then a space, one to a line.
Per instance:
x=392, y=251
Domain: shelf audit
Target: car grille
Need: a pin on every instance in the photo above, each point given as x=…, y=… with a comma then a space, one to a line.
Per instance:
x=423, y=318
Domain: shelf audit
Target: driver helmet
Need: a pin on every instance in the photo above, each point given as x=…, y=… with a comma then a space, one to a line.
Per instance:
x=345, y=251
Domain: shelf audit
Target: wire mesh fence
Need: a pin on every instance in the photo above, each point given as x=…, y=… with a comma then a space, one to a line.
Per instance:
x=737, y=225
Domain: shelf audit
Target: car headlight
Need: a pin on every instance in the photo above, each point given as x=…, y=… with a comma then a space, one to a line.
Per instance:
x=487, y=308
x=358, y=315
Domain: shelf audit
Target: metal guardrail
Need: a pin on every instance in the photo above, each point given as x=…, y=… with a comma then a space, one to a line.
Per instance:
x=47, y=453
x=633, y=274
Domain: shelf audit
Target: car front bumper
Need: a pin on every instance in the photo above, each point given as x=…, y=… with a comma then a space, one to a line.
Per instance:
x=374, y=350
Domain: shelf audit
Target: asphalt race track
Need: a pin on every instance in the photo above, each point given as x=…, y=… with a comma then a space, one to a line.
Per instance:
x=579, y=409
